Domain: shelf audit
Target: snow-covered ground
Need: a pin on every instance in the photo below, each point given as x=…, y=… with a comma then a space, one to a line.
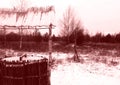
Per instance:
x=77, y=74
x=66, y=72
x=88, y=73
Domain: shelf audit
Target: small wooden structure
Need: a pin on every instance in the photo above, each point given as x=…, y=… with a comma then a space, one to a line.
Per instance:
x=26, y=71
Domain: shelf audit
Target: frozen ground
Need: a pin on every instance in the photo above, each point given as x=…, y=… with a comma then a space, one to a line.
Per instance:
x=90, y=72
x=77, y=74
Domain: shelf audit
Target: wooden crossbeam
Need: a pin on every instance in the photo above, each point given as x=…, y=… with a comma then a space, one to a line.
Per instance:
x=26, y=26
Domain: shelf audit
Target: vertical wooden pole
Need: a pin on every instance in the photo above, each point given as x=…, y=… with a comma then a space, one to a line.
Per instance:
x=75, y=49
x=50, y=52
x=19, y=37
x=20, y=29
x=23, y=70
x=4, y=36
x=50, y=43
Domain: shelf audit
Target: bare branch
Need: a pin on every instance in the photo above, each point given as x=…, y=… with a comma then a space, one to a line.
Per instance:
x=70, y=22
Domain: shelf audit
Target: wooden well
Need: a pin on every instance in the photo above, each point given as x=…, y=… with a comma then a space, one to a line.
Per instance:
x=32, y=71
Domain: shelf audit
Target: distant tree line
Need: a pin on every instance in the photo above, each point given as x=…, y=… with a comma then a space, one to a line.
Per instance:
x=97, y=38
x=36, y=37
x=109, y=38
x=81, y=38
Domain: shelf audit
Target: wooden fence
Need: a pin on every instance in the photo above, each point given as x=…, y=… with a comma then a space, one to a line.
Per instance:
x=22, y=30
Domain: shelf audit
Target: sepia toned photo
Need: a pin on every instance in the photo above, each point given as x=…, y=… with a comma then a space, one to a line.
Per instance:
x=59, y=42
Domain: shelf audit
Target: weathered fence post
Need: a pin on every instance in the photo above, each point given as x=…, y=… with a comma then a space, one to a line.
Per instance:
x=50, y=43
x=50, y=50
x=76, y=58
x=4, y=36
x=20, y=31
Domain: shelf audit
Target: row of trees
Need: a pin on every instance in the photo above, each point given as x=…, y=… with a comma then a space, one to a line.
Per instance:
x=97, y=38
x=109, y=38
x=14, y=37
x=72, y=31
x=80, y=38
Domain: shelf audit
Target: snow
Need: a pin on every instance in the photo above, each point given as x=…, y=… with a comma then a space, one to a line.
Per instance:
x=88, y=73
x=71, y=73
x=75, y=74
x=28, y=58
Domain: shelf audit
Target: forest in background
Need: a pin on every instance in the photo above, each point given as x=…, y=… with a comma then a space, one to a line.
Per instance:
x=11, y=40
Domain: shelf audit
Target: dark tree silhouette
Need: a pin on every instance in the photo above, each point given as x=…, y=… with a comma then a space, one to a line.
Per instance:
x=54, y=38
x=72, y=29
x=37, y=37
x=12, y=37
x=46, y=37
x=108, y=38
x=70, y=25
x=117, y=37
x=97, y=37
x=87, y=37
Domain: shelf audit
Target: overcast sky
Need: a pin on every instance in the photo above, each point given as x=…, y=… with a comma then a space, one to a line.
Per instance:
x=96, y=15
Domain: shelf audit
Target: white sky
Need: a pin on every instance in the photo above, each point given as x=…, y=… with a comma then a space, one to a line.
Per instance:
x=96, y=15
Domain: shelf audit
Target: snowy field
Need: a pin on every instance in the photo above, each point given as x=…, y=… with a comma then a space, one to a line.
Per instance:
x=95, y=70
x=77, y=74
x=88, y=73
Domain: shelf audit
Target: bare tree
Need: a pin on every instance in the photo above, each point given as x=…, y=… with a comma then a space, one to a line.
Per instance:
x=69, y=23
x=70, y=26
